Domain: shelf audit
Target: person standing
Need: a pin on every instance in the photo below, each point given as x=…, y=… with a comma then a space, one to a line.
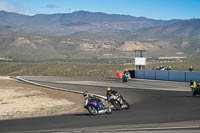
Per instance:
x=190, y=68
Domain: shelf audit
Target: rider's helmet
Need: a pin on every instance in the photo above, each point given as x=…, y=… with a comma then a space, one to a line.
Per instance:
x=85, y=94
x=108, y=89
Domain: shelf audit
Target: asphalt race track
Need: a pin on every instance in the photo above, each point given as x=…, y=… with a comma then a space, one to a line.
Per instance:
x=153, y=103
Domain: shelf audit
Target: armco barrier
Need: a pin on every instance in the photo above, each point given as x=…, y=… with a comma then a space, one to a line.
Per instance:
x=55, y=88
x=162, y=75
x=140, y=74
x=151, y=74
x=179, y=76
x=192, y=76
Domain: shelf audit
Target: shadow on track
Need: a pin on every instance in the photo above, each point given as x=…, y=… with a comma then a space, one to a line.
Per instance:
x=186, y=96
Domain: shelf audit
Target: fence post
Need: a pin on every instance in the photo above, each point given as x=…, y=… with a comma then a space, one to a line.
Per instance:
x=185, y=77
x=168, y=75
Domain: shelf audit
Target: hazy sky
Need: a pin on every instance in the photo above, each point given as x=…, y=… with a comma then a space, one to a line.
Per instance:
x=156, y=9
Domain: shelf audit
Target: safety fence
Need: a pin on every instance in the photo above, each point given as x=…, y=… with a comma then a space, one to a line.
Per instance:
x=180, y=76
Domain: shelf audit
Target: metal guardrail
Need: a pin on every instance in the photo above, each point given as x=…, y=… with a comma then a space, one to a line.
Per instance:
x=180, y=76
x=55, y=88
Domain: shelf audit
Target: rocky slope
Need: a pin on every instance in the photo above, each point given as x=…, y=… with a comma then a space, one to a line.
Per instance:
x=94, y=35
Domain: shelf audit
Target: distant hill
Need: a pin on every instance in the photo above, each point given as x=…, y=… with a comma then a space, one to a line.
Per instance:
x=181, y=29
x=183, y=35
x=85, y=34
x=57, y=24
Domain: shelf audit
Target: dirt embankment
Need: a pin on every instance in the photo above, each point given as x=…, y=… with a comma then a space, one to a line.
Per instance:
x=19, y=100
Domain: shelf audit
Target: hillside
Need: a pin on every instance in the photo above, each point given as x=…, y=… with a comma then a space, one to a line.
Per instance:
x=85, y=34
x=182, y=35
x=62, y=24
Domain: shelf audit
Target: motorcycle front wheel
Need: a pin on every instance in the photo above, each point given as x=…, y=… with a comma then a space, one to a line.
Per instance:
x=92, y=110
x=127, y=104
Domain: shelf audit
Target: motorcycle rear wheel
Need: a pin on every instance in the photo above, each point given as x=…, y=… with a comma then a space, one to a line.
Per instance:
x=116, y=104
x=108, y=111
x=193, y=91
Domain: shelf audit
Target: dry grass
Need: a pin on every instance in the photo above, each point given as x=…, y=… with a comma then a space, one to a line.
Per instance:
x=66, y=69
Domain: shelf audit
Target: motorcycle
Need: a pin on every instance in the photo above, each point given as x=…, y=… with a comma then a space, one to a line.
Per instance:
x=95, y=108
x=125, y=78
x=118, y=102
x=195, y=90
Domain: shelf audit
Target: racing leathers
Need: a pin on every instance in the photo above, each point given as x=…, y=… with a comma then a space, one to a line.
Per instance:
x=110, y=93
x=115, y=93
x=194, y=84
x=93, y=97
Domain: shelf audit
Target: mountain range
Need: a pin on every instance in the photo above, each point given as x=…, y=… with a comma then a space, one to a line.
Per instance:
x=83, y=34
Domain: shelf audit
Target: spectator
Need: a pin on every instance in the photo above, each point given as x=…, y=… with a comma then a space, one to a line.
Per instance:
x=157, y=68
x=190, y=68
x=169, y=68
x=163, y=68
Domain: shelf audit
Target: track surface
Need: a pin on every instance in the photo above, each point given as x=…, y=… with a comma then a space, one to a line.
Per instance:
x=147, y=106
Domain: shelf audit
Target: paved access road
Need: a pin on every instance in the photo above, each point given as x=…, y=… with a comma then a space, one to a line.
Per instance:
x=152, y=106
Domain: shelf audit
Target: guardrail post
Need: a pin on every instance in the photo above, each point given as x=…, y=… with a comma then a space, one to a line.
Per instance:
x=168, y=75
x=185, y=77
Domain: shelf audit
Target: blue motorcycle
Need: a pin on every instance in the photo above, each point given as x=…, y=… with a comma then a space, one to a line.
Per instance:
x=95, y=108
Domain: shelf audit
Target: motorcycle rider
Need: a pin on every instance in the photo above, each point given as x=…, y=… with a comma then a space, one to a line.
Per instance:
x=126, y=72
x=125, y=76
x=111, y=92
x=88, y=96
x=194, y=84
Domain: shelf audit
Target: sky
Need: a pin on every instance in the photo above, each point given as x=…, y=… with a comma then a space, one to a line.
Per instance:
x=155, y=9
